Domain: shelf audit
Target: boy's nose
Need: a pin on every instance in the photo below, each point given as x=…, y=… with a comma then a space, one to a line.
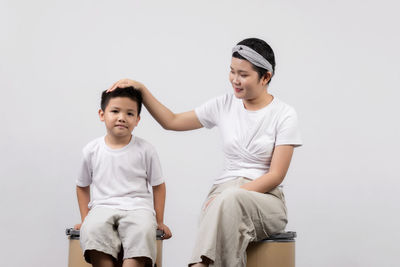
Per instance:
x=121, y=118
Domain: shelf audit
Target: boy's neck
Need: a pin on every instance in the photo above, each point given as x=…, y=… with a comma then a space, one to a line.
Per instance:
x=117, y=142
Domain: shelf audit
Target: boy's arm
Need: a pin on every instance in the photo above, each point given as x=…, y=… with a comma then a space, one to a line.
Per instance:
x=83, y=194
x=159, y=204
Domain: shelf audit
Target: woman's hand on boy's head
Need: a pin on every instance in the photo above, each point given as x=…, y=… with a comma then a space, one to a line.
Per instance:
x=123, y=83
x=165, y=229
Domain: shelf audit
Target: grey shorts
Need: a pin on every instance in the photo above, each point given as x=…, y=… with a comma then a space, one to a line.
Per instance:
x=107, y=229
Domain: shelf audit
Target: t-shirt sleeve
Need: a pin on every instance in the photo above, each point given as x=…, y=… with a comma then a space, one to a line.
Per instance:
x=288, y=132
x=209, y=113
x=85, y=171
x=153, y=168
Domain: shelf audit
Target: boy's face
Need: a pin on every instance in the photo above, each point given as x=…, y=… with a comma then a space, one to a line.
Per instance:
x=120, y=116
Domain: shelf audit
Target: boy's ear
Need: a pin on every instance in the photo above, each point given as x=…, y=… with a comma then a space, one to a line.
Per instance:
x=101, y=114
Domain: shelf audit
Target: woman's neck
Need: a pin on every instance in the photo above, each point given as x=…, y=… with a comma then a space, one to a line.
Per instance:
x=259, y=102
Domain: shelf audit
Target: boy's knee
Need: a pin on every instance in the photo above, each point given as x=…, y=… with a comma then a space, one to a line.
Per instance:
x=94, y=229
x=143, y=230
x=148, y=229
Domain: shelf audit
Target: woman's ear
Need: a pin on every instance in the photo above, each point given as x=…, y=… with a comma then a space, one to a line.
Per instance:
x=266, y=78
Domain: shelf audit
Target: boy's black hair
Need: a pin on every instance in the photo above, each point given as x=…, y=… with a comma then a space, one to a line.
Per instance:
x=129, y=92
x=263, y=49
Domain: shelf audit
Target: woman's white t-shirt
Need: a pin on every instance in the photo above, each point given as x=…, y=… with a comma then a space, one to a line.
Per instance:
x=249, y=137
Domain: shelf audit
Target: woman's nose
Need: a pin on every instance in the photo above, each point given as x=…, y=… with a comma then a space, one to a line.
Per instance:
x=235, y=79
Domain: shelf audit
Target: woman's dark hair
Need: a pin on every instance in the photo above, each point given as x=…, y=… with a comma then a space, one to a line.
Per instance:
x=263, y=49
x=129, y=92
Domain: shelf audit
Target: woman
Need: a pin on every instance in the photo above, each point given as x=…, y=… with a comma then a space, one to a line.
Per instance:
x=259, y=134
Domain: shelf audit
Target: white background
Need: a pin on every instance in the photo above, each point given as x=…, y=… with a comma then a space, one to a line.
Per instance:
x=337, y=64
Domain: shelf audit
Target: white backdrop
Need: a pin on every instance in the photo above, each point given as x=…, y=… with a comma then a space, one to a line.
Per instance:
x=337, y=64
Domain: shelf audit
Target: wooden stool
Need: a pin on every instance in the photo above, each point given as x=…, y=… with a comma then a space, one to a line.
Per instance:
x=76, y=259
x=276, y=251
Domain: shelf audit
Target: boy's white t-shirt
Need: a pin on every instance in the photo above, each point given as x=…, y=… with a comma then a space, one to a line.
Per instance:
x=249, y=137
x=119, y=178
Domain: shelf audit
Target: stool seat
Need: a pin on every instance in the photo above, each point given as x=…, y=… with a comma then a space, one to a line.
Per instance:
x=277, y=250
x=282, y=237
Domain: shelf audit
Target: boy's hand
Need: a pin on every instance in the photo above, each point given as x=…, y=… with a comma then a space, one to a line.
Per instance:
x=167, y=232
x=126, y=83
x=77, y=226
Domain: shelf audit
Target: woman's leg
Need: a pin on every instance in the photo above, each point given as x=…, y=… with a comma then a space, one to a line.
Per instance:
x=204, y=263
x=235, y=218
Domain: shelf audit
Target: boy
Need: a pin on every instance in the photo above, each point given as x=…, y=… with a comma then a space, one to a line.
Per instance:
x=112, y=188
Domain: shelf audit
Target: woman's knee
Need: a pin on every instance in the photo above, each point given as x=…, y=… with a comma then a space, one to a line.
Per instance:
x=233, y=195
x=232, y=199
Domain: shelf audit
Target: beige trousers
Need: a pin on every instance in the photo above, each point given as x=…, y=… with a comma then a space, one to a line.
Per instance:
x=235, y=218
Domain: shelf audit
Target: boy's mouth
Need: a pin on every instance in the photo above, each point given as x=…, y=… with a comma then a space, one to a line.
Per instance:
x=120, y=126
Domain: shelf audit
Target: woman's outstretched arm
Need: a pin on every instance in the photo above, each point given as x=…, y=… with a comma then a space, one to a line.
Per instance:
x=165, y=117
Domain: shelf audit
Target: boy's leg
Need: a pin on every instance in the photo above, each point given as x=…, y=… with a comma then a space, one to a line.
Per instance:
x=135, y=262
x=98, y=233
x=100, y=259
x=137, y=230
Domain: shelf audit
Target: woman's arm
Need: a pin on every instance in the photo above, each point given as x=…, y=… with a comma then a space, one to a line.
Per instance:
x=83, y=194
x=159, y=204
x=166, y=118
x=279, y=165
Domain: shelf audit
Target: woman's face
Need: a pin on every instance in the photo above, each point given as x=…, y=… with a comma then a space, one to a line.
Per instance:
x=245, y=81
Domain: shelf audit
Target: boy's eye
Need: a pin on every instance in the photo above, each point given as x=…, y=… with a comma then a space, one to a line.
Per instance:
x=130, y=114
x=114, y=111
